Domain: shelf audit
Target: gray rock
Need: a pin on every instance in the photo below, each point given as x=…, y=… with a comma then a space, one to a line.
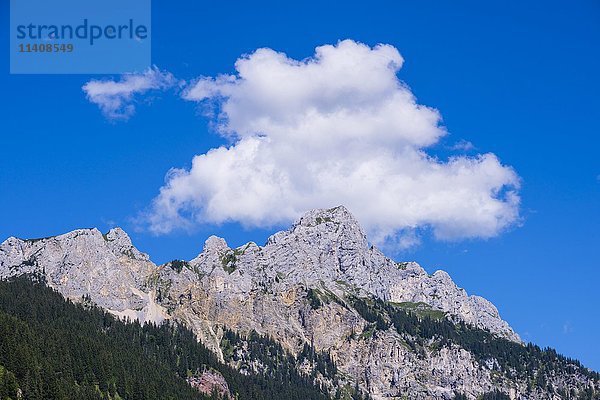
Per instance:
x=266, y=289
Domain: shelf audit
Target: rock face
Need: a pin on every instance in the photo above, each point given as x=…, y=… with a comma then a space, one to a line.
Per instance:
x=210, y=382
x=107, y=268
x=273, y=289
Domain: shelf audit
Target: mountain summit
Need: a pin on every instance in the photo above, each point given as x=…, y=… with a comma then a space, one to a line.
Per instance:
x=392, y=329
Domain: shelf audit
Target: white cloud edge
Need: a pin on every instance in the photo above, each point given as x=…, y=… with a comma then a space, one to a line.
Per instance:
x=116, y=99
x=193, y=196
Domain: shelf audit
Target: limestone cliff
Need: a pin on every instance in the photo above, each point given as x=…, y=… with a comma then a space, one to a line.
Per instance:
x=299, y=288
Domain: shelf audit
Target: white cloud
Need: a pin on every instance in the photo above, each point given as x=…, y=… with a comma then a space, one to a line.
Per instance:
x=567, y=328
x=336, y=128
x=463, y=145
x=115, y=99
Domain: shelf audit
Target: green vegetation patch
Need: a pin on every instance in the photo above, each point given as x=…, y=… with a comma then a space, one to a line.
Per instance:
x=9, y=388
x=402, y=265
x=421, y=309
x=321, y=220
x=418, y=326
x=230, y=258
x=314, y=298
x=51, y=348
x=228, y=261
x=178, y=265
x=318, y=297
x=368, y=331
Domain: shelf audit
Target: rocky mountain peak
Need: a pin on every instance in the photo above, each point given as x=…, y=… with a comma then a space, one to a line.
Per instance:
x=118, y=235
x=325, y=228
x=120, y=243
x=106, y=267
x=338, y=215
x=317, y=284
x=335, y=220
x=214, y=244
x=298, y=289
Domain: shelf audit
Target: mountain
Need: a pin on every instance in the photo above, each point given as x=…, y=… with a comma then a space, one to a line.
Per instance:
x=392, y=330
x=51, y=348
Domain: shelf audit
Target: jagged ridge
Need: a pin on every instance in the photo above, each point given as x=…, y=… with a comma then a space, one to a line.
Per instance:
x=294, y=289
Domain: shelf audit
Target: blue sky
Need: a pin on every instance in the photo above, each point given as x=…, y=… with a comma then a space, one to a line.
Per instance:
x=518, y=80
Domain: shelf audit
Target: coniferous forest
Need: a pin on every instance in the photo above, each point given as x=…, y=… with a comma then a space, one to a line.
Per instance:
x=529, y=361
x=51, y=348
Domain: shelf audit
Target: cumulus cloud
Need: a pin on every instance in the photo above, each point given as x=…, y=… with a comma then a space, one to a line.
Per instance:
x=116, y=99
x=336, y=128
x=463, y=145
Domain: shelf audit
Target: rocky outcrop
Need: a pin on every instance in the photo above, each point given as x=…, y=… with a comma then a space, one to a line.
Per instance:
x=107, y=268
x=209, y=383
x=295, y=289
